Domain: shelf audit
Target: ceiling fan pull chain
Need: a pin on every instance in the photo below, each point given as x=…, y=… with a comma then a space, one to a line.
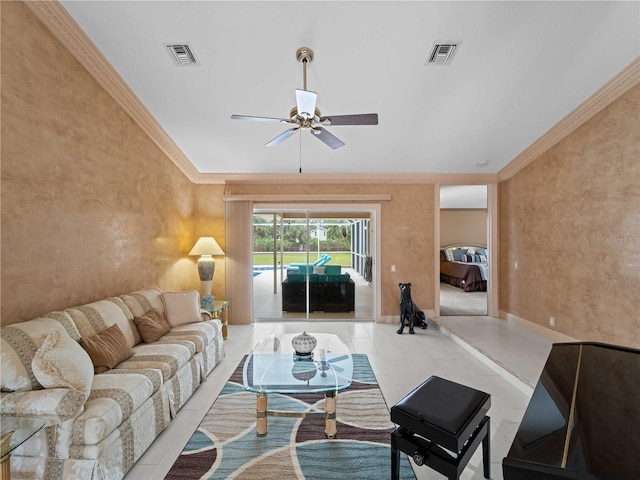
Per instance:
x=300, y=135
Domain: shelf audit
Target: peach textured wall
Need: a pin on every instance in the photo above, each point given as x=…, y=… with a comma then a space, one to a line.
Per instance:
x=90, y=206
x=571, y=220
x=463, y=226
x=407, y=234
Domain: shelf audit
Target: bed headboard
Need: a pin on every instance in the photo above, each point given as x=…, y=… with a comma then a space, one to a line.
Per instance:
x=446, y=253
x=463, y=245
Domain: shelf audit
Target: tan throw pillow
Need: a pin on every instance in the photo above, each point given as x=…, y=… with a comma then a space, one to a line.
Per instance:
x=106, y=349
x=182, y=307
x=61, y=363
x=152, y=325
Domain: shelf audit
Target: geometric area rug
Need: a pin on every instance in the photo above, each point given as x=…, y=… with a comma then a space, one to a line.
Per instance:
x=225, y=445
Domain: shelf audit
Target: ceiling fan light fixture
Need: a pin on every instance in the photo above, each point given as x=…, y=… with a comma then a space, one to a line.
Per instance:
x=305, y=115
x=306, y=103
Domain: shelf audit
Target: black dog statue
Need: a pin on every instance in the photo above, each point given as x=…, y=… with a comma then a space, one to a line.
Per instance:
x=409, y=311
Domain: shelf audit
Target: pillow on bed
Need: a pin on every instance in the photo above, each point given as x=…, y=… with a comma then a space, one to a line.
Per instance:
x=481, y=251
x=449, y=254
x=458, y=254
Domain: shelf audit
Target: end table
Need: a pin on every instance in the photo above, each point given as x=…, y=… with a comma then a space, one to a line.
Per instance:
x=217, y=311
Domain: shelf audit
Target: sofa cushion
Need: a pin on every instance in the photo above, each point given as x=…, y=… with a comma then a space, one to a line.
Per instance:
x=62, y=363
x=201, y=333
x=107, y=348
x=181, y=308
x=55, y=404
x=113, y=398
x=18, y=345
x=94, y=317
x=142, y=301
x=167, y=358
x=152, y=325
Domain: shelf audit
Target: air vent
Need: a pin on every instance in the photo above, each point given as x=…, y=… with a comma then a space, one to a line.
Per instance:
x=182, y=54
x=442, y=53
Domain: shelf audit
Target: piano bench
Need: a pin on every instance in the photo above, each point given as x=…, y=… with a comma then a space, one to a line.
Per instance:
x=441, y=424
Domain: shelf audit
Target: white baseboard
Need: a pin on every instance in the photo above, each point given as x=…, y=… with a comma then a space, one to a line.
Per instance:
x=396, y=318
x=536, y=328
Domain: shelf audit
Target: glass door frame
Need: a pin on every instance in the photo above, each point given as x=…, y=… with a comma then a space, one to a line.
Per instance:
x=374, y=211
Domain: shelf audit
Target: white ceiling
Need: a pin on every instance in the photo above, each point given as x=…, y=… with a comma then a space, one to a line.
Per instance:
x=520, y=68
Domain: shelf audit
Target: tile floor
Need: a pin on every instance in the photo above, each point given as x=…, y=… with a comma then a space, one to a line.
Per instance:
x=400, y=362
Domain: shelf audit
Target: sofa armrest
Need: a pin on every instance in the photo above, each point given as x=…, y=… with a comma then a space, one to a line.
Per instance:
x=55, y=405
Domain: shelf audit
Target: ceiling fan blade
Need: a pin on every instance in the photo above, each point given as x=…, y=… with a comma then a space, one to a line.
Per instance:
x=357, y=119
x=259, y=119
x=306, y=103
x=282, y=137
x=338, y=359
x=326, y=137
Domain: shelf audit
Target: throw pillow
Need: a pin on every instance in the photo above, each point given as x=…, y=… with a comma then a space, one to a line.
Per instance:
x=152, y=325
x=182, y=307
x=107, y=349
x=61, y=363
x=318, y=270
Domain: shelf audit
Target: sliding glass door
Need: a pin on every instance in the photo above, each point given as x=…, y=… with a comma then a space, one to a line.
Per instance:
x=312, y=264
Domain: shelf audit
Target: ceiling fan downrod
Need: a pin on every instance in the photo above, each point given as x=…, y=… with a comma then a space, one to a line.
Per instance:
x=304, y=55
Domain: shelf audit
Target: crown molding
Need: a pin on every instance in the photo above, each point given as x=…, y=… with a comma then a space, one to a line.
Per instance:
x=56, y=18
x=349, y=178
x=603, y=97
x=311, y=198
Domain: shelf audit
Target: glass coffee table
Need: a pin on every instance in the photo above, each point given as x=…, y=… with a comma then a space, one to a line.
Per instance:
x=274, y=367
x=14, y=431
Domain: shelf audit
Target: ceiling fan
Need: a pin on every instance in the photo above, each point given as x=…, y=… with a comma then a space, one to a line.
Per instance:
x=305, y=115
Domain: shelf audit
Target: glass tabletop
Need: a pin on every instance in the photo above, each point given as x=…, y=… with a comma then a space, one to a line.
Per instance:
x=21, y=428
x=274, y=367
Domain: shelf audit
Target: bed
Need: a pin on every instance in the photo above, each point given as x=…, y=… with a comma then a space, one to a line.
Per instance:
x=465, y=267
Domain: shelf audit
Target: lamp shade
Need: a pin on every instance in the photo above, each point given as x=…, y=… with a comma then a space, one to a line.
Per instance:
x=206, y=246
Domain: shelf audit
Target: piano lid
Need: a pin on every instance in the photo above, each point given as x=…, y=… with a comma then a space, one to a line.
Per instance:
x=583, y=420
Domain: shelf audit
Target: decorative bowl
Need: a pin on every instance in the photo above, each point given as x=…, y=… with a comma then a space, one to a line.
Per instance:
x=304, y=371
x=304, y=343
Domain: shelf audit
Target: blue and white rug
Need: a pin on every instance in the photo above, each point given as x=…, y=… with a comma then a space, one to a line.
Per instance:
x=225, y=445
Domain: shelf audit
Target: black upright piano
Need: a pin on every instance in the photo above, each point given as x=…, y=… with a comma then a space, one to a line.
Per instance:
x=583, y=420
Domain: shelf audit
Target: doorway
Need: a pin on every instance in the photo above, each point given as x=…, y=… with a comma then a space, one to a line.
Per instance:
x=313, y=263
x=463, y=256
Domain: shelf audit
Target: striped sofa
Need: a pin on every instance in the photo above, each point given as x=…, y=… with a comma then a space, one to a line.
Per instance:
x=99, y=433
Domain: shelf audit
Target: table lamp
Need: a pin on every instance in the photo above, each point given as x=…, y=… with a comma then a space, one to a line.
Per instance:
x=206, y=247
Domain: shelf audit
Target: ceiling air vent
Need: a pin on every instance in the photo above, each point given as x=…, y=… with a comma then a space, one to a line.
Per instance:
x=182, y=54
x=442, y=53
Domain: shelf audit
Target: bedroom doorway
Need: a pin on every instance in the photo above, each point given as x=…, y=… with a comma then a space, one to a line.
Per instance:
x=464, y=237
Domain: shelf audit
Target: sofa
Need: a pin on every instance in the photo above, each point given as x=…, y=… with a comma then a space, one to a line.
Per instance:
x=108, y=377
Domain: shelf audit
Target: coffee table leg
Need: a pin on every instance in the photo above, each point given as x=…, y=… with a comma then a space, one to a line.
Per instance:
x=330, y=401
x=261, y=414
